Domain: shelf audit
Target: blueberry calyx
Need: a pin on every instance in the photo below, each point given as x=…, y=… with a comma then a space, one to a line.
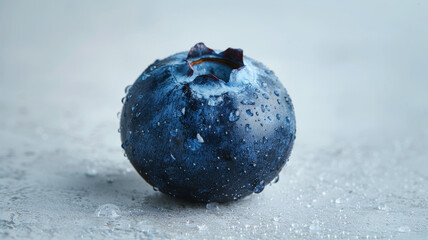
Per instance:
x=218, y=66
x=199, y=50
x=234, y=54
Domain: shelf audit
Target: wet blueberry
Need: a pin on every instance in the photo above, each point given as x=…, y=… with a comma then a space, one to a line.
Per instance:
x=192, y=128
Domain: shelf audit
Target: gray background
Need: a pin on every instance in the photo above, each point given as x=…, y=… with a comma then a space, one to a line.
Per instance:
x=356, y=72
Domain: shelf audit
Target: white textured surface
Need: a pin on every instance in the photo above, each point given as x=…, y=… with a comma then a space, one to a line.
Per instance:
x=356, y=74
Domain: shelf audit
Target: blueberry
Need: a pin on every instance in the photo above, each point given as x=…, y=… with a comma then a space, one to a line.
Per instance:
x=194, y=127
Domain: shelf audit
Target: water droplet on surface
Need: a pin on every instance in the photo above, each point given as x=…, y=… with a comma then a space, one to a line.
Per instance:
x=234, y=116
x=172, y=156
x=276, y=179
x=247, y=102
x=202, y=227
x=123, y=99
x=137, y=114
x=249, y=112
x=263, y=108
x=212, y=206
x=265, y=95
x=108, y=211
x=183, y=111
x=91, y=172
x=279, y=102
x=133, y=108
x=276, y=93
x=315, y=226
x=404, y=229
x=287, y=119
x=156, y=189
x=247, y=127
x=338, y=201
x=118, y=115
x=255, y=95
x=278, y=116
x=200, y=139
x=382, y=207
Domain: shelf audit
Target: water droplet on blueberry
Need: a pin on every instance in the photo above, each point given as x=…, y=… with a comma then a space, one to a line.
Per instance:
x=265, y=95
x=200, y=139
x=127, y=88
x=234, y=116
x=259, y=188
x=247, y=102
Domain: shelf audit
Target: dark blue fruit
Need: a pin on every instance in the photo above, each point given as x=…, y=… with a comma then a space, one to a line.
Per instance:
x=207, y=126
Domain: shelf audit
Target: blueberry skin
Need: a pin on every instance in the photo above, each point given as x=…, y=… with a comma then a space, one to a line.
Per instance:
x=206, y=126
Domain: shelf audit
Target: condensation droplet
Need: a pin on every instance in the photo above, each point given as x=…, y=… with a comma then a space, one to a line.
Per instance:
x=404, y=229
x=127, y=88
x=249, y=112
x=212, y=206
x=265, y=95
x=276, y=93
x=259, y=188
x=247, y=102
x=234, y=116
x=91, y=172
x=199, y=137
x=315, y=226
x=255, y=95
x=108, y=211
